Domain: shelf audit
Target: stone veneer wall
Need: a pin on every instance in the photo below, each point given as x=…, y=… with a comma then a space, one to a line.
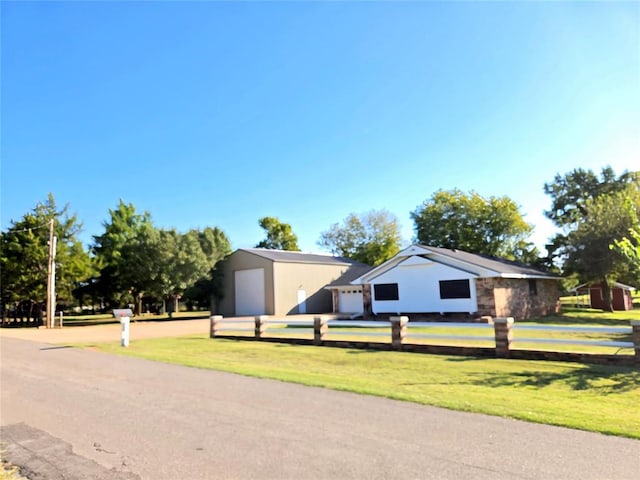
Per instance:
x=509, y=297
x=366, y=298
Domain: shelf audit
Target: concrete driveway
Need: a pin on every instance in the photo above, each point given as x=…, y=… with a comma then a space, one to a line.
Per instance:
x=71, y=413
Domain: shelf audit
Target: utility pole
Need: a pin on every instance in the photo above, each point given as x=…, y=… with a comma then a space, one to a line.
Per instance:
x=51, y=278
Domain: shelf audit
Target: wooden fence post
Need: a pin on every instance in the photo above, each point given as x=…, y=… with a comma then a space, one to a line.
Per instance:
x=320, y=329
x=214, y=325
x=398, y=331
x=503, y=335
x=635, y=338
x=261, y=325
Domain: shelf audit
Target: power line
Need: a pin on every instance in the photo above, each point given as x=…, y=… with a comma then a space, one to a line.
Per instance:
x=37, y=227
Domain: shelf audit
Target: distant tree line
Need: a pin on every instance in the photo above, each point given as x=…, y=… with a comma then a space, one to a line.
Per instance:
x=134, y=262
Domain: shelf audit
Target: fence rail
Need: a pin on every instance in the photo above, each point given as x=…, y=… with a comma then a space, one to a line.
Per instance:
x=400, y=334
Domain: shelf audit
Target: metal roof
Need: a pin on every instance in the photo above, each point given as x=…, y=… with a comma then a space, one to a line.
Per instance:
x=286, y=256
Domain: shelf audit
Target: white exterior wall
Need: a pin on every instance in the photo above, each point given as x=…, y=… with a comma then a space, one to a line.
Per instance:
x=419, y=289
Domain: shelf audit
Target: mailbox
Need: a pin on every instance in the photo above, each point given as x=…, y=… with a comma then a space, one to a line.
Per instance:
x=124, y=314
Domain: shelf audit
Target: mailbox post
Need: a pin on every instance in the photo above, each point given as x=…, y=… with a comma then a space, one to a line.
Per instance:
x=124, y=314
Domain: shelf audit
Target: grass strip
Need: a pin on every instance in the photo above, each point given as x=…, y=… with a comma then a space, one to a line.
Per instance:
x=588, y=397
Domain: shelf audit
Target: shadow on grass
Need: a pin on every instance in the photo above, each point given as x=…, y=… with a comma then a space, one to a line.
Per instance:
x=598, y=379
x=467, y=359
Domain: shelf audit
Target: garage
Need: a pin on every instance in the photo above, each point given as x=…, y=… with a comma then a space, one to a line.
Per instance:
x=350, y=300
x=260, y=281
x=249, y=292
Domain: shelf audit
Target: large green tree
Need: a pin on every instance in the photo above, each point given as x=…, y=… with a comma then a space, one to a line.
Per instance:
x=588, y=252
x=279, y=235
x=470, y=222
x=139, y=265
x=180, y=264
x=370, y=238
x=629, y=245
x=123, y=227
x=208, y=291
x=24, y=255
x=570, y=192
x=569, y=196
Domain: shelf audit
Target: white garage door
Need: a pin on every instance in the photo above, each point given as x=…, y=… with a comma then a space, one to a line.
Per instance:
x=249, y=292
x=350, y=301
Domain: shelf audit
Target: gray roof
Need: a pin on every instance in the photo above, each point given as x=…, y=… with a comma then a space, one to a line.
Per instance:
x=299, y=257
x=499, y=265
x=354, y=271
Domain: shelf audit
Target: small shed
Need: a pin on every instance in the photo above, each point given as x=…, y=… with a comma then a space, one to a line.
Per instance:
x=620, y=293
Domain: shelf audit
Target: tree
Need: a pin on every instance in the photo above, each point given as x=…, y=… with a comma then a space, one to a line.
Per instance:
x=571, y=192
x=214, y=243
x=569, y=196
x=279, y=235
x=370, y=238
x=181, y=263
x=139, y=263
x=209, y=291
x=588, y=252
x=123, y=227
x=470, y=222
x=629, y=246
x=25, y=253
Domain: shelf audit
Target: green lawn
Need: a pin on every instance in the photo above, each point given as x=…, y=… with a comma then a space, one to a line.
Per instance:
x=588, y=316
x=596, y=398
x=98, y=319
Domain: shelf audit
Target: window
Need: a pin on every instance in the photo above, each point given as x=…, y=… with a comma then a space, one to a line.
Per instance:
x=533, y=288
x=386, y=291
x=454, y=289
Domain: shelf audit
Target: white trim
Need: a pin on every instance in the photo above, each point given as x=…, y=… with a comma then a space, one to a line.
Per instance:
x=523, y=276
x=464, y=266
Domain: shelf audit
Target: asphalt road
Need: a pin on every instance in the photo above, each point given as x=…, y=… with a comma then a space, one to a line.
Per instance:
x=71, y=413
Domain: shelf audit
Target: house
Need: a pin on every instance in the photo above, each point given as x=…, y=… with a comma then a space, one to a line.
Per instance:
x=422, y=279
x=259, y=281
x=620, y=294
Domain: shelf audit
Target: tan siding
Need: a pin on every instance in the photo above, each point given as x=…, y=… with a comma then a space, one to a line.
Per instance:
x=312, y=278
x=241, y=260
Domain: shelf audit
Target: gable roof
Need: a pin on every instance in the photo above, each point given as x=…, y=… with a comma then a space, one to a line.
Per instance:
x=482, y=266
x=285, y=256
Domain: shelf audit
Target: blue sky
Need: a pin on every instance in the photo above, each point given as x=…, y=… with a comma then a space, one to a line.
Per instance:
x=219, y=113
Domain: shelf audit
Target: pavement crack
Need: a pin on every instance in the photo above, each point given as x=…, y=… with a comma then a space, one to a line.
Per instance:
x=99, y=448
